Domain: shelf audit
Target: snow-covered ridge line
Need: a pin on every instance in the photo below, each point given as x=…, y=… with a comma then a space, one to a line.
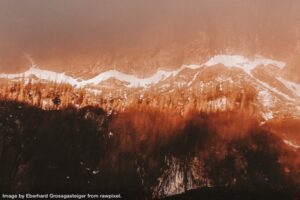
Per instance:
x=133, y=81
x=248, y=65
x=242, y=62
x=42, y=74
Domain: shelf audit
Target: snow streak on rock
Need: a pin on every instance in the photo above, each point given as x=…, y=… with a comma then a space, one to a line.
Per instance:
x=290, y=85
x=267, y=102
x=291, y=144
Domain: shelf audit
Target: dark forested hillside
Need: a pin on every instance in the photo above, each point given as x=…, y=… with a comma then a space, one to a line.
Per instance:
x=142, y=153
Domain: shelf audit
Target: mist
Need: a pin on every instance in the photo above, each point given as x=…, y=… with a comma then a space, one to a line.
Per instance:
x=74, y=34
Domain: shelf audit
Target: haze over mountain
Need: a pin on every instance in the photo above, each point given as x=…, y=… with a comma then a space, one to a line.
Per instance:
x=150, y=98
x=139, y=36
x=158, y=45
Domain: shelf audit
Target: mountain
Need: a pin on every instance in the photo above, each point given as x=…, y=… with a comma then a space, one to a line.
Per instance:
x=260, y=79
x=219, y=88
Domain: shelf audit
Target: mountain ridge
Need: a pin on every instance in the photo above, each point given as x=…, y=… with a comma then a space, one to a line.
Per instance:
x=226, y=60
x=214, y=81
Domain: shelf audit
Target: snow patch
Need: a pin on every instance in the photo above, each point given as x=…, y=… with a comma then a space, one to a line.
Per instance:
x=218, y=104
x=267, y=115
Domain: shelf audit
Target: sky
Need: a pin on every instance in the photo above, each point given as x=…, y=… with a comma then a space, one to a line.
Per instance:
x=75, y=33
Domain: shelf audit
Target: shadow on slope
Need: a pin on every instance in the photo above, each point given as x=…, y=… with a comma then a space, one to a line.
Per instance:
x=140, y=153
